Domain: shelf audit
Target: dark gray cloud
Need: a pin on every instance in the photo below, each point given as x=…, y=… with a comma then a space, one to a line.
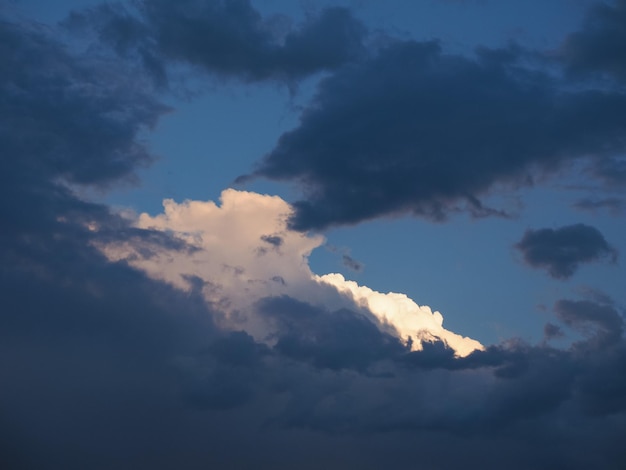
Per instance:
x=414, y=130
x=600, y=46
x=333, y=340
x=601, y=355
x=225, y=38
x=69, y=119
x=561, y=251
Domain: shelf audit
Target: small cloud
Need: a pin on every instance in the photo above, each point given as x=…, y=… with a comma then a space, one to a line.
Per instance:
x=552, y=331
x=562, y=250
x=274, y=240
x=351, y=263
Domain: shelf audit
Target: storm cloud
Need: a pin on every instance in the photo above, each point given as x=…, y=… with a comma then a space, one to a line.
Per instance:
x=561, y=251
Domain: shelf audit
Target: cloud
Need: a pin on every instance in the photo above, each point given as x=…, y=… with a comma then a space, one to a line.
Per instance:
x=104, y=366
x=229, y=39
x=413, y=130
x=615, y=206
x=334, y=340
x=600, y=46
x=67, y=117
x=349, y=262
x=229, y=258
x=562, y=250
x=611, y=171
x=552, y=331
x=601, y=321
x=419, y=323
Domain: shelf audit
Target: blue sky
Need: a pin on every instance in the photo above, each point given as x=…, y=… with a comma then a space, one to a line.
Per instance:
x=468, y=155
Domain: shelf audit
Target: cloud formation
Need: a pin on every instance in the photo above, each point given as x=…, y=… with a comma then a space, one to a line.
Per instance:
x=599, y=48
x=226, y=38
x=601, y=321
x=243, y=252
x=105, y=367
x=413, y=130
x=561, y=251
x=413, y=322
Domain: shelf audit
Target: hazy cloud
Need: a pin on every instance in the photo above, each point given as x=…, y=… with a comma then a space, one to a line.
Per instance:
x=551, y=331
x=614, y=205
x=601, y=321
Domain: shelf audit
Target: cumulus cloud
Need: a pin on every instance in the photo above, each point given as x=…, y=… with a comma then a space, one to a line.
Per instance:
x=562, y=250
x=413, y=322
x=237, y=263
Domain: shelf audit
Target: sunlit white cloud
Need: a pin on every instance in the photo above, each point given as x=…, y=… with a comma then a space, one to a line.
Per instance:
x=409, y=319
x=242, y=251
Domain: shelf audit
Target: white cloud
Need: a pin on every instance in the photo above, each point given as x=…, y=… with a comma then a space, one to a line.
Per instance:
x=243, y=251
x=408, y=318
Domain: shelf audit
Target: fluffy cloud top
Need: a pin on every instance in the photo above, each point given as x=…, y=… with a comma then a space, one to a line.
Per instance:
x=243, y=251
x=409, y=319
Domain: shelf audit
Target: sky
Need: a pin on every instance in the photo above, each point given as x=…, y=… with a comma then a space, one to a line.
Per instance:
x=313, y=234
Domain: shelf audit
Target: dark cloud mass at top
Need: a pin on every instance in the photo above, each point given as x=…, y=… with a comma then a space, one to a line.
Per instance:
x=227, y=38
x=414, y=130
x=562, y=250
x=102, y=367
